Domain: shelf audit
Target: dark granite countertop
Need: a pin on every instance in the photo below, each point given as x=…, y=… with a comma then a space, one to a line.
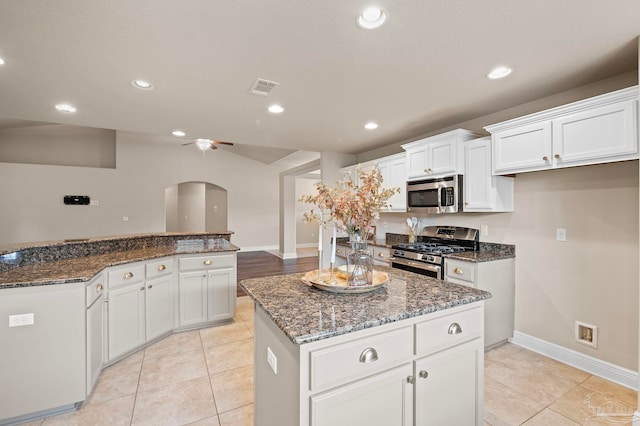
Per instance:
x=73, y=263
x=306, y=314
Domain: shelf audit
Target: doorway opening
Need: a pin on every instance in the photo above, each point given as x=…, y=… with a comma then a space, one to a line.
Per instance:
x=195, y=207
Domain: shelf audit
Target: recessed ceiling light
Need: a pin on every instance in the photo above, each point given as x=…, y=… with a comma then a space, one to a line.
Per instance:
x=371, y=17
x=178, y=133
x=2, y=61
x=371, y=125
x=499, y=72
x=65, y=108
x=142, y=84
x=276, y=109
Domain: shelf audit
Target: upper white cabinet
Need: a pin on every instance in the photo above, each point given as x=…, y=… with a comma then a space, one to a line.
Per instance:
x=437, y=155
x=394, y=175
x=484, y=192
x=596, y=130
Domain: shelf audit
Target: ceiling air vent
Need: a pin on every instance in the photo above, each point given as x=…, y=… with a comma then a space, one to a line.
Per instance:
x=262, y=87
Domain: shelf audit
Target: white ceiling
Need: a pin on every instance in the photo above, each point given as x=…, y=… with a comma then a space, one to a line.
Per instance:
x=422, y=71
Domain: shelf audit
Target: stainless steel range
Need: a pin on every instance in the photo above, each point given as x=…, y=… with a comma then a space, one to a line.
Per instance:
x=425, y=256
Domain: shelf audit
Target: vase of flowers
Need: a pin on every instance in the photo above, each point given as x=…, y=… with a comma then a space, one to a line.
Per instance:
x=353, y=207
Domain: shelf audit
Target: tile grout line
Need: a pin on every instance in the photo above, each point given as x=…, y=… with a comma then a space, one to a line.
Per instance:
x=213, y=395
x=135, y=396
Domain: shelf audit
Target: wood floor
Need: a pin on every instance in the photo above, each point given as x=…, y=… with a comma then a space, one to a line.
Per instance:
x=256, y=264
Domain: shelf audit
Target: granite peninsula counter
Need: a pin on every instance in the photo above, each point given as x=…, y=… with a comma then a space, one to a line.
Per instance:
x=411, y=349
x=72, y=307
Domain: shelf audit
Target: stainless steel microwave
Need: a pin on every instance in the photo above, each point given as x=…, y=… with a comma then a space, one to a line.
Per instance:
x=435, y=196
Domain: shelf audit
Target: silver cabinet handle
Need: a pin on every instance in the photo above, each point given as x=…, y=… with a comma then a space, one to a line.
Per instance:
x=557, y=156
x=369, y=355
x=545, y=158
x=150, y=286
x=99, y=288
x=161, y=268
x=411, y=379
x=128, y=275
x=424, y=374
x=455, y=328
x=207, y=262
x=142, y=288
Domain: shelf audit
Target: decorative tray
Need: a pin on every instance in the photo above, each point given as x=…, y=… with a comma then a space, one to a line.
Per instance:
x=340, y=282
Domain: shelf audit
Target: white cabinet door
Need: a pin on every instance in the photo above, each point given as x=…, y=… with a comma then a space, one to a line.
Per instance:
x=95, y=341
x=484, y=192
x=394, y=175
x=126, y=319
x=522, y=149
x=600, y=134
x=384, y=399
x=449, y=386
x=442, y=158
x=159, y=307
x=221, y=289
x=417, y=162
x=192, y=296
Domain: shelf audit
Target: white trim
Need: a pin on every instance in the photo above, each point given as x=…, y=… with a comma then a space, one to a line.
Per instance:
x=597, y=367
x=305, y=245
x=293, y=255
x=259, y=248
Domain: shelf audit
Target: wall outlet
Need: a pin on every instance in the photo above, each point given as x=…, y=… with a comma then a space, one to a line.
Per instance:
x=561, y=234
x=95, y=202
x=125, y=218
x=272, y=360
x=20, y=320
x=484, y=230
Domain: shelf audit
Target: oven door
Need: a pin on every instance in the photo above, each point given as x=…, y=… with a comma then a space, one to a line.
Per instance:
x=422, y=268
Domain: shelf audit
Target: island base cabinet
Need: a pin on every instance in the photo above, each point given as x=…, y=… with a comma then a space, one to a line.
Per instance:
x=221, y=294
x=159, y=303
x=95, y=342
x=384, y=399
x=446, y=385
x=192, y=297
x=126, y=319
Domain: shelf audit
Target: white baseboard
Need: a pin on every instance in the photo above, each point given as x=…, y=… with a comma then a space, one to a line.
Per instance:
x=307, y=245
x=597, y=367
x=259, y=248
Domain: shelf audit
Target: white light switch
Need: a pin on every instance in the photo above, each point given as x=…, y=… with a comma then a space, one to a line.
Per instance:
x=561, y=234
x=484, y=230
x=272, y=360
x=125, y=218
x=20, y=320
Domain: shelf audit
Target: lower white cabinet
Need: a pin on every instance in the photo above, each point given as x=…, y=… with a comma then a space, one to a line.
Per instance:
x=139, y=310
x=206, y=289
x=426, y=370
x=446, y=386
x=496, y=277
x=95, y=329
x=384, y=399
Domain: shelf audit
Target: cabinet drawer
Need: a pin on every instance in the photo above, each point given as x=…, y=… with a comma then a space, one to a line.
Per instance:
x=449, y=330
x=207, y=262
x=125, y=275
x=381, y=255
x=342, y=251
x=159, y=267
x=94, y=289
x=353, y=360
x=460, y=271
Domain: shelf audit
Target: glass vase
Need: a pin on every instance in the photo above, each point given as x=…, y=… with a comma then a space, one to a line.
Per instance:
x=359, y=263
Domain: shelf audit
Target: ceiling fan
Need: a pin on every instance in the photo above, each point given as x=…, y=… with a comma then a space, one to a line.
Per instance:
x=205, y=144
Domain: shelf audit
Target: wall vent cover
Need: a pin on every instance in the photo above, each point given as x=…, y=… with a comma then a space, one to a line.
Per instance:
x=262, y=87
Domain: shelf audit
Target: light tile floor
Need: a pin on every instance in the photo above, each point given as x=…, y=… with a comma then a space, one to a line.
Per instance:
x=205, y=378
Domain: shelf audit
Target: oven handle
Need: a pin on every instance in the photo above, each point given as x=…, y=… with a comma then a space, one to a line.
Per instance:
x=420, y=265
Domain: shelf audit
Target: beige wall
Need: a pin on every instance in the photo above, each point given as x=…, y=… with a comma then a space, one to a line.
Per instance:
x=306, y=233
x=31, y=195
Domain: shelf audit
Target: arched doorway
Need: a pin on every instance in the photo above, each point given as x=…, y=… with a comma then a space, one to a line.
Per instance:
x=195, y=207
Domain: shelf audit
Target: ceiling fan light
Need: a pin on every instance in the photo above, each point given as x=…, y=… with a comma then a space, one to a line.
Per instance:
x=203, y=144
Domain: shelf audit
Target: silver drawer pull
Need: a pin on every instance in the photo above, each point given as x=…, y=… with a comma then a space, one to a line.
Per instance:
x=150, y=286
x=161, y=268
x=458, y=271
x=207, y=262
x=99, y=287
x=411, y=379
x=128, y=275
x=455, y=328
x=424, y=374
x=369, y=355
x=142, y=288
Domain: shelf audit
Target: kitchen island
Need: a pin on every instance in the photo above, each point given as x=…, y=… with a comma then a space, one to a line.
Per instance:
x=410, y=350
x=72, y=307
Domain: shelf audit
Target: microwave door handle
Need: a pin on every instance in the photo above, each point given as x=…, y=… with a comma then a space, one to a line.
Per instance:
x=440, y=207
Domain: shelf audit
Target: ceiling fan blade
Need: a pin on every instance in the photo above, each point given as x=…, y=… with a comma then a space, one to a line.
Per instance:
x=188, y=143
x=221, y=143
x=212, y=146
